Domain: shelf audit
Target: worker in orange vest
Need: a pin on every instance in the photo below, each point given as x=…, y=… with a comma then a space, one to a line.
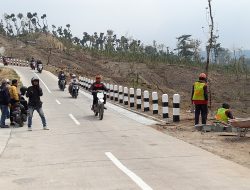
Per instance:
x=200, y=99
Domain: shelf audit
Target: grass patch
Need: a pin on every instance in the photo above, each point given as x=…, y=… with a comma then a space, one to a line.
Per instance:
x=7, y=73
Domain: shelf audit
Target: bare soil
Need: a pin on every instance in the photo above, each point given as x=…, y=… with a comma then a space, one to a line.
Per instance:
x=225, y=145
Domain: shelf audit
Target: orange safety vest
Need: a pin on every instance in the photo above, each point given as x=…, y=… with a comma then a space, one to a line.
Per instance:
x=199, y=91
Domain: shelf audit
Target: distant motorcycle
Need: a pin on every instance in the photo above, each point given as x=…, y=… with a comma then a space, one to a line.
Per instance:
x=5, y=63
x=98, y=108
x=33, y=65
x=62, y=84
x=40, y=68
x=74, y=90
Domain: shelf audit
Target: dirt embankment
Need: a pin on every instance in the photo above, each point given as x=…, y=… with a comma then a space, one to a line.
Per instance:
x=164, y=78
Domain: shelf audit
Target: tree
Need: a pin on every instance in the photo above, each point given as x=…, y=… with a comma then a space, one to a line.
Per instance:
x=211, y=36
x=54, y=30
x=37, y=19
x=29, y=16
x=186, y=47
x=22, y=25
x=45, y=24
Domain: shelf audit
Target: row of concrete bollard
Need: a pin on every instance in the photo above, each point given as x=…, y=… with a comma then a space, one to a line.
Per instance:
x=130, y=97
x=17, y=62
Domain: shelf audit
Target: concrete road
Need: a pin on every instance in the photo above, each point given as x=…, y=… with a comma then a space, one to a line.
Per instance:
x=118, y=153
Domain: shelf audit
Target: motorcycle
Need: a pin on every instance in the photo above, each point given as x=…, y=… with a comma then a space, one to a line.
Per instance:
x=98, y=108
x=74, y=90
x=62, y=85
x=20, y=114
x=40, y=68
x=33, y=65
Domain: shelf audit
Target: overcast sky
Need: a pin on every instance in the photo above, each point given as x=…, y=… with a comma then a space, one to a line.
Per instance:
x=147, y=20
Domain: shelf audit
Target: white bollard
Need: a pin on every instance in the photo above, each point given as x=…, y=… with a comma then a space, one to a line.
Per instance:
x=84, y=82
x=125, y=99
x=132, y=97
x=108, y=87
x=111, y=92
x=120, y=94
x=116, y=92
x=89, y=84
x=138, y=98
x=80, y=80
x=176, y=108
x=155, y=102
x=165, y=106
x=146, y=100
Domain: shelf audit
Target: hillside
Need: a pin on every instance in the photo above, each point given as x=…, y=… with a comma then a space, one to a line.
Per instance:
x=162, y=77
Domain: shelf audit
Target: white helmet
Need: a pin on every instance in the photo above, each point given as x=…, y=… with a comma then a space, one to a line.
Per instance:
x=73, y=76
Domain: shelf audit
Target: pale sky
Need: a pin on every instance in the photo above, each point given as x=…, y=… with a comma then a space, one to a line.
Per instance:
x=147, y=20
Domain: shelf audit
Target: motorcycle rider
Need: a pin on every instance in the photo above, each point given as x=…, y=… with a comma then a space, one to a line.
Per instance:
x=33, y=63
x=5, y=63
x=39, y=64
x=61, y=76
x=4, y=103
x=34, y=93
x=97, y=85
x=73, y=81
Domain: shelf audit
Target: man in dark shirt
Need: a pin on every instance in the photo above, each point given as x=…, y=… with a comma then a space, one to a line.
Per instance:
x=4, y=103
x=34, y=93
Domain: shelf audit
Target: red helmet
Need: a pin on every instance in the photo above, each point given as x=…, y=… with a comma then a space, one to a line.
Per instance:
x=203, y=75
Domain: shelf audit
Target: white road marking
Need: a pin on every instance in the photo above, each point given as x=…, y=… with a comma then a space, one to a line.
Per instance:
x=57, y=101
x=43, y=83
x=74, y=119
x=129, y=173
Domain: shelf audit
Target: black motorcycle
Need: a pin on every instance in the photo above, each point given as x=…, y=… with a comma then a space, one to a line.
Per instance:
x=62, y=85
x=39, y=68
x=98, y=109
x=20, y=113
x=74, y=90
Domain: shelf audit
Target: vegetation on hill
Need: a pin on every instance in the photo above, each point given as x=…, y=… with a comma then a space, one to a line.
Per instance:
x=128, y=61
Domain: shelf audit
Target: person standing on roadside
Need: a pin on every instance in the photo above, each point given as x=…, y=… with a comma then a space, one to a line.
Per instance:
x=14, y=98
x=34, y=93
x=200, y=99
x=4, y=103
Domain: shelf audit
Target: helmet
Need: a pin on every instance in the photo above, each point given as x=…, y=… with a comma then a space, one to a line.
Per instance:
x=4, y=81
x=34, y=79
x=225, y=105
x=73, y=76
x=23, y=90
x=203, y=75
x=98, y=77
x=7, y=81
x=39, y=62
